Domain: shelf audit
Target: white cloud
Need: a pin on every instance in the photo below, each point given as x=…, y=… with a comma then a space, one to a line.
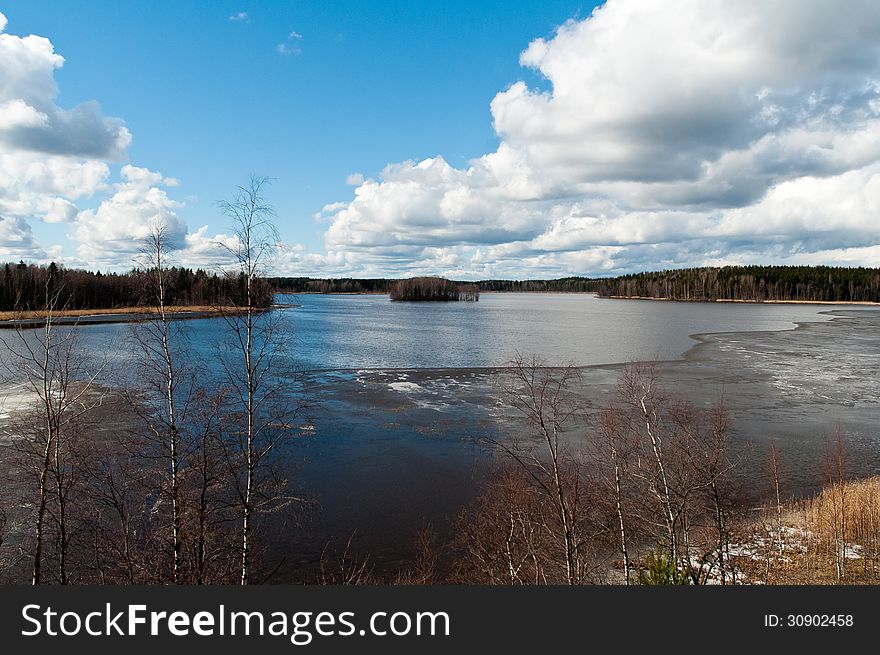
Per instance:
x=208, y=251
x=239, y=17
x=50, y=156
x=16, y=239
x=32, y=120
x=114, y=233
x=663, y=134
x=291, y=45
x=670, y=134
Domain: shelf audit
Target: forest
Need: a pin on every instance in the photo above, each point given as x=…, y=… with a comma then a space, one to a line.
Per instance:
x=24, y=287
x=330, y=285
x=433, y=289
x=706, y=284
x=750, y=283
x=383, y=285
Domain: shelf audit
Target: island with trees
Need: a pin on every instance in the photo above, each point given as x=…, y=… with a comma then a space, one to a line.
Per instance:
x=433, y=289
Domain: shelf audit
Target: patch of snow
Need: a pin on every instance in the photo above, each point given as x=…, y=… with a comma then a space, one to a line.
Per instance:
x=405, y=387
x=852, y=551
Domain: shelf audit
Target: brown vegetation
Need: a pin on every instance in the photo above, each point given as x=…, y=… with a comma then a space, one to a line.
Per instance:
x=138, y=310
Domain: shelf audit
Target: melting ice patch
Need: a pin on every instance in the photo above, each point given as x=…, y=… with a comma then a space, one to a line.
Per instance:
x=405, y=387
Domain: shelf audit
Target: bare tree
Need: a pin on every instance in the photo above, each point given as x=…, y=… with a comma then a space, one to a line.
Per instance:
x=680, y=463
x=253, y=363
x=62, y=386
x=835, y=467
x=160, y=371
x=702, y=490
x=777, y=535
x=212, y=552
x=543, y=397
x=619, y=451
x=502, y=539
x=638, y=388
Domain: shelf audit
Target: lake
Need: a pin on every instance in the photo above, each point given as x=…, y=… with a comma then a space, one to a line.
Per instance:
x=332, y=332
x=405, y=392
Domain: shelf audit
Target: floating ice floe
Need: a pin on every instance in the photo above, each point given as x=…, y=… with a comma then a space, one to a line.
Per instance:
x=405, y=387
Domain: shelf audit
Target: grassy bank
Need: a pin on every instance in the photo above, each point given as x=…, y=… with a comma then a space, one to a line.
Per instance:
x=74, y=313
x=830, y=538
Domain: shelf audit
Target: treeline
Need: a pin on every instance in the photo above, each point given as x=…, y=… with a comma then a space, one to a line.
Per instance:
x=750, y=283
x=747, y=283
x=561, y=285
x=384, y=285
x=330, y=285
x=24, y=287
x=433, y=289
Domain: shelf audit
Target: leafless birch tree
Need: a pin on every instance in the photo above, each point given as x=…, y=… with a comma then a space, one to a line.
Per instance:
x=160, y=373
x=543, y=397
x=62, y=387
x=618, y=448
x=260, y=386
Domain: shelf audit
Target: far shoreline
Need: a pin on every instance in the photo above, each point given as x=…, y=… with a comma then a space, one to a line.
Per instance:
x=746, y=301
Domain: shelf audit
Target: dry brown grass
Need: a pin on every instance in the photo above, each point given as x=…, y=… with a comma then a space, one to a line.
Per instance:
x=857, y=503
x=72, y=313
x=831, y=538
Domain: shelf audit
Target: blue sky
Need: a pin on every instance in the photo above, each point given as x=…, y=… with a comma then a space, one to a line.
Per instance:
x=488, y=139
x=211, y=100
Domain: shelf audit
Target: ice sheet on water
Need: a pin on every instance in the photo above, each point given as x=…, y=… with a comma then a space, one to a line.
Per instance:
x=405, y=387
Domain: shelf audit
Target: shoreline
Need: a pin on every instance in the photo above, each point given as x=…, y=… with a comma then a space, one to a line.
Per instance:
x=867, y=303
x=72, y=313
x=75, y=317
x=769, y=301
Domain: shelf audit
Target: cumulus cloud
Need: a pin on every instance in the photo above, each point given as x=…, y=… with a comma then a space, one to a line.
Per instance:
x=239, y=16
x=669, y=134
x=209, y=251
x=662, y=134
x=16, y=239
x=116, y=230
x=50, y=156
x=31, y=119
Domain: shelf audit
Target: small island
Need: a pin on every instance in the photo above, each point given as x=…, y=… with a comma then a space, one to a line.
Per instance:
x=433, y=289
